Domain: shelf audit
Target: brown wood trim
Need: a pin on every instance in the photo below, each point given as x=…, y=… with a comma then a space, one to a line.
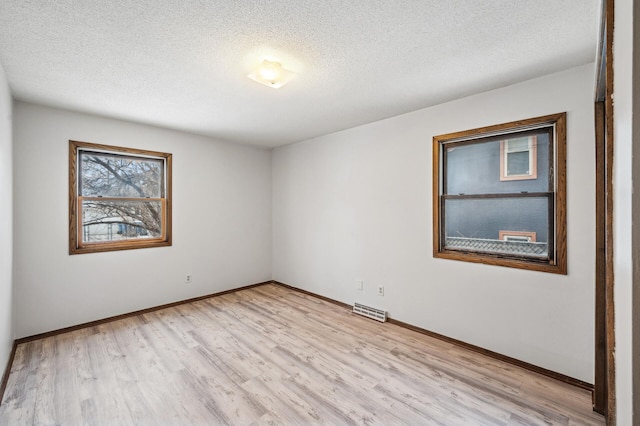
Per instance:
x=513, y=361
x=7, y=371
x=600, y=372
x=560, y=173
x=609, y=151
x=74, y=207
x=437, y=177
x=512, y=126
x=131, y=314
x=168, y=228
x=110, y=149
x=131, y=245
x=489, y=259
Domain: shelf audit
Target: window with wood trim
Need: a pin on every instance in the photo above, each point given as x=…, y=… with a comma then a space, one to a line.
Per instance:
x=499, y=195
x=119, y=198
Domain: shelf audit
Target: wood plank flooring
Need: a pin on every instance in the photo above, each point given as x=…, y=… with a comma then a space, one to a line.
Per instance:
x=271, y=355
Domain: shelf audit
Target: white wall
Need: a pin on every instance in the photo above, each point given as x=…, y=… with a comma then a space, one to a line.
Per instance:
x=6, y=230
x=357, y=205
x=625, y=205
x=221, y=223
x=635, y=307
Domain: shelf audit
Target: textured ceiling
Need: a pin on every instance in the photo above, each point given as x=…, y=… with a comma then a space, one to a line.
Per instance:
x=183, y=63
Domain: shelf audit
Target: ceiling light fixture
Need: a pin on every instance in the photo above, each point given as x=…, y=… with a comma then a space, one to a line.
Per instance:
x=271, y=73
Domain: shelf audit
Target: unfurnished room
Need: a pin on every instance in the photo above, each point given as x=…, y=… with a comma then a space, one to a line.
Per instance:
x=288, y=212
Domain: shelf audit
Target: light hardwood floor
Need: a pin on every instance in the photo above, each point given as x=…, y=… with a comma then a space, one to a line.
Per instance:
x=271, y=355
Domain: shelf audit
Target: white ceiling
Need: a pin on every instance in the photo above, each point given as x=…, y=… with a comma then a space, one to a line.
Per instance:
x=183, y=63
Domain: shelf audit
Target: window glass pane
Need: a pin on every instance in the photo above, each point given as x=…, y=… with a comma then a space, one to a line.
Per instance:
x=121, y=220
x=108, y=175
x=517, y=144
x=518, y=163
x=475, y=168
x=479, y=231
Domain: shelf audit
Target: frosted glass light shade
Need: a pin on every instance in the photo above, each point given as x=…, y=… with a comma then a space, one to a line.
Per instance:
x=272, y=74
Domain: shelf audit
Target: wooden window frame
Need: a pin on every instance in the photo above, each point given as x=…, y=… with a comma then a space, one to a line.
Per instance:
x=533, y=163
x=76, y=243
x=557, y=261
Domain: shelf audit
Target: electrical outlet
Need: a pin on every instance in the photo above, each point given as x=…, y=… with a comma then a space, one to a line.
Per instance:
x=187, y=278
x=359, y=285
x=380, y=290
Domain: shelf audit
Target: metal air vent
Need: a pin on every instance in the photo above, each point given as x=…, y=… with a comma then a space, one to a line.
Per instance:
x=369, y=312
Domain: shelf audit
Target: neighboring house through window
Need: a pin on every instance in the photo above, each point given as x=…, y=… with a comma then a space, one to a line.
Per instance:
x=120, y=198
x=499, y=194
x=518, y=158
x=521, y=236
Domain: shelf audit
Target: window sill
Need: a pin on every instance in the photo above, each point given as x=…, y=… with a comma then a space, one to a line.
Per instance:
x=496, y=260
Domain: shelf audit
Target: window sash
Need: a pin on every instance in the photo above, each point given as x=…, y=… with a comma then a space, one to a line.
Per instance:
x=81, y=153
x=550, y=225
x=161, y=214
x=81, y=225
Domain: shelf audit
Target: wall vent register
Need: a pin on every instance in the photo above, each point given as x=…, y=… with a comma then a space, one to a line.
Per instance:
x=370, y=312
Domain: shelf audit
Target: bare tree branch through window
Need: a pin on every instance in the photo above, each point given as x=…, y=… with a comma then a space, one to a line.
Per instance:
x=119, y=195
